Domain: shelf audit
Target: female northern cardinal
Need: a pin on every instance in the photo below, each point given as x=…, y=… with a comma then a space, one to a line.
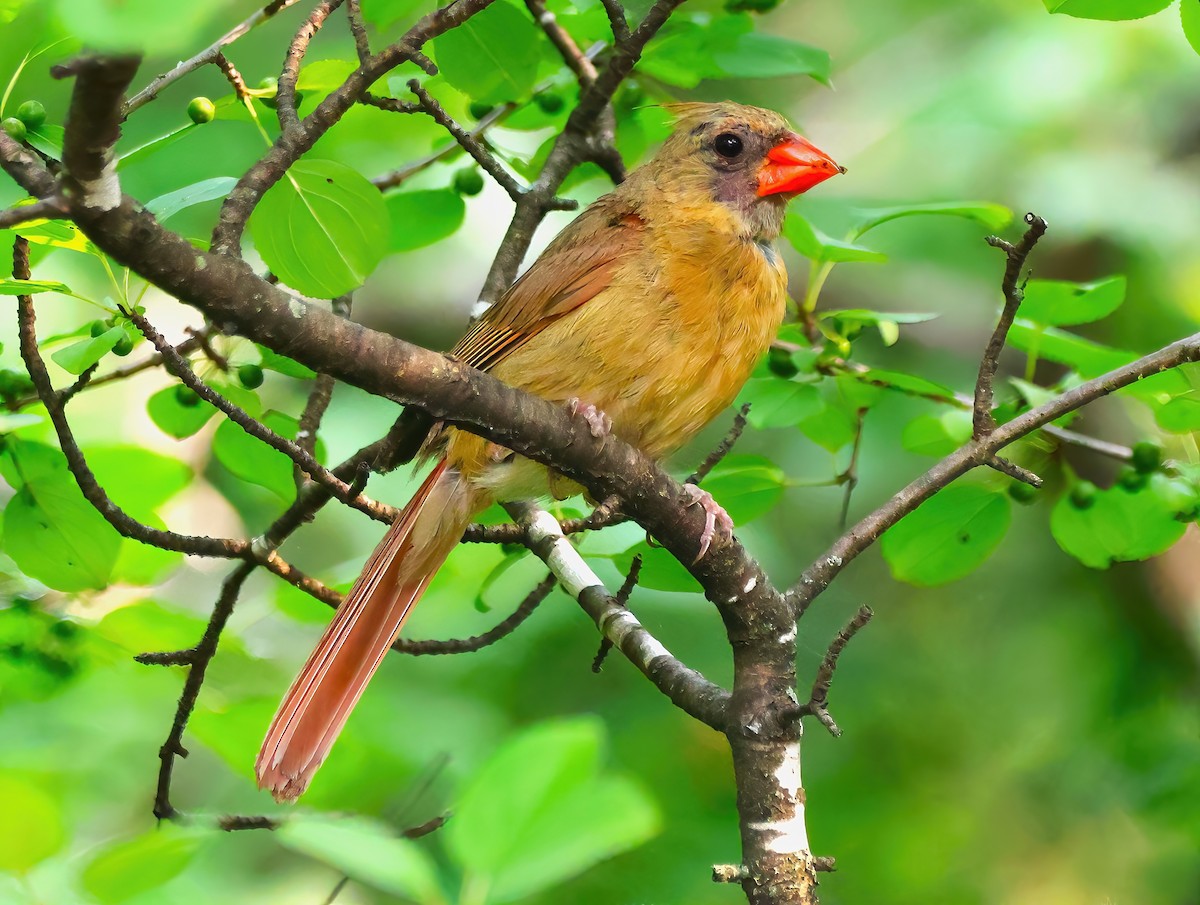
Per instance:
x=650, y=309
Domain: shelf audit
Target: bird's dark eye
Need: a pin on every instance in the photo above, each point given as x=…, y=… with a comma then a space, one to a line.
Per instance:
x=728, y=145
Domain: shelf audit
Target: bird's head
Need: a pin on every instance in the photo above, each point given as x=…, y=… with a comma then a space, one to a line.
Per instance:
x=747, y=158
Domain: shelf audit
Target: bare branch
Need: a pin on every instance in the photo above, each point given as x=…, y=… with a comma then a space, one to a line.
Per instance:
x=44, y=209
x=1013, y=295
x=713, y=459
x=285, y=96
x=818, y=700
x=617, y=20
x=577, y=61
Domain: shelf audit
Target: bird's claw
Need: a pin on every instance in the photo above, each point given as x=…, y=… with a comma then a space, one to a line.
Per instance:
x=599, y=424
x=714, y=517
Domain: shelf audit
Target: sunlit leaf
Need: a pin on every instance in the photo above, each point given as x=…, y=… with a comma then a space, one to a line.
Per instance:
x=423, y=217
x=32, y=828
x=78, y=357
x=831, y=427
x=167, y=205
x=992, y=216
x=1180, y=415
x=175, y=418
x=814, y=244
x=517, y=826
x=133, y=24
x=937, y=435
x=322, y=229
x=775, y=402
x=1063, y=303
x=1107, y=9
x=364, y=850
x=1089, y=358
x=660, y=570
x=252, y=460
x=1120, y=525
x=746, y=486
x=123, y=870
x=281, y=364
x=48, y=139
x=30, y=287
x=762, y=56
x=493, y=56
x=948, y=536
x=1189, y=14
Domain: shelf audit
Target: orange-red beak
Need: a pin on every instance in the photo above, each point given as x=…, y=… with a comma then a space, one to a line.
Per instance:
x=794, y=166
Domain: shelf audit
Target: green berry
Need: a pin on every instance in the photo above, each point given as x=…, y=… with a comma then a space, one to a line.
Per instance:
x=32, y=114
x=96, y=327
x=14, y=127
x=468, y=181
x=549, y=103
x=779, y=361
x=201, y=110
x=633, y=95
x=1022, y=493
x=186, y=396
x=250, y=376
x=1083, y=495
x=1147, y=456
x=123, y=346
x=1131, y=479
x=479, y=110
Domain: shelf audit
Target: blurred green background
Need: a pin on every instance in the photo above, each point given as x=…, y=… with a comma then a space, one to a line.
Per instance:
x=1026, y=735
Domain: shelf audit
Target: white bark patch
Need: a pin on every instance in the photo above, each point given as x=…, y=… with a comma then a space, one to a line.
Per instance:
x=788, y=637
x=297, y=308
x=564, y=560
x=620, y=624
x=104, y=193
x=750, y=585
x=479, y=308
x=789, y=835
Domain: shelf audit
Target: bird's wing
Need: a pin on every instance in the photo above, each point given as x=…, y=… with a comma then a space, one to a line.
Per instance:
x=577, y=266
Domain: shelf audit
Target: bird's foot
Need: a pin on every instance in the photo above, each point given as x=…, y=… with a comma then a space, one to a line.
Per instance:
x=715, y=517
x=599, y=424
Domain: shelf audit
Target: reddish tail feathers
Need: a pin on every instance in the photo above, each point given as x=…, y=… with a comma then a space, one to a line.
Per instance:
x=331, y=682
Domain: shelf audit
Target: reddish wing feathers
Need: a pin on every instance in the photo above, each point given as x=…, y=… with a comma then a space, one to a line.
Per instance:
x=577, y=266
x=320, y=699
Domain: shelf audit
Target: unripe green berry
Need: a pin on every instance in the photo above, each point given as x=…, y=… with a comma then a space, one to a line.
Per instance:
x=186, y=396
x=32, y=114
x=1131, y=479
x=780, y=363
x=271, y=85
x=14, y=127
x=96, y=327
x=124, y=346
x=250, y=376
x=1083, y=495
x=1022, y=493
x=548, y=102
x=201, y=110
x=1147, y=456
x=468, y=181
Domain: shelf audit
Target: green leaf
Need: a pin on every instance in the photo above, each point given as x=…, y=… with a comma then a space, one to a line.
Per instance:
x=886, y=322
x=366, y=851
x=281, y=364
x=948, y=536
x=33, y=828
x=1189, y=15
x=423, y=217
x=56, y=233
x=814, y=244
x=168, y=205
x=51, y=532
x=760, y=56
x=493, y=56
x=78, y=357
x=252, y=460
x=11, y=421
x=1088, y=358
x=1061, y=303
x=133, y=24
x=832, y=427
x=137, y=479
x=1111, y=10
x=48, y=139
x=323, y=76
x=384, y=13
x=775, y=402
x=992, y=216
x=322, y=229
x=1180, y=415
x=175, y=419
x=937, y=435
x=909, y=384
x=517, y=828
x=1120, y=525
x=746, y=486
x=30, y=287
x=660, y=570
x=122, y=870
x=154, y=145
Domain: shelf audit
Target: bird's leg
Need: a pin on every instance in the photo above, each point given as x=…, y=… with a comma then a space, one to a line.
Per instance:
x=598, y=423
x=714, y=516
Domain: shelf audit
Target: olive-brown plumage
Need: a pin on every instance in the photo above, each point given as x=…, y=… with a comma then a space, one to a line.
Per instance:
x=653, y=306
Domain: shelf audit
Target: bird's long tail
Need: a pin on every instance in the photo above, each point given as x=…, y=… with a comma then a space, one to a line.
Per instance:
x=320, y=700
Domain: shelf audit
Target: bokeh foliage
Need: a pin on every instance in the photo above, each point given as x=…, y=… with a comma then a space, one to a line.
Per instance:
x=1021, y=726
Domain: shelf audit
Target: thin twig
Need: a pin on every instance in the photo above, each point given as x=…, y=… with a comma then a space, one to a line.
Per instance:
x=285, y=94
x=621, y=598
x=358, y=28
x=984, y=422
x=208, y=55
x=818, y=700
x=576, y=60
x=849, y=477
x=713, y=459
x=617, y=20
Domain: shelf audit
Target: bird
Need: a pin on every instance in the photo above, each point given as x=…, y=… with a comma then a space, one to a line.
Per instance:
x=645, y=315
